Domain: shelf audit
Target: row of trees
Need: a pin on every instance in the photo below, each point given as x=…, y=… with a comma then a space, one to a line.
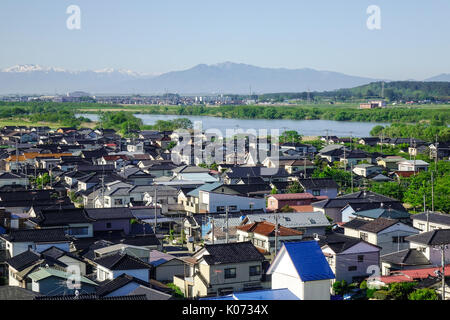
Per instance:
x=426, y=132
x=413, y=189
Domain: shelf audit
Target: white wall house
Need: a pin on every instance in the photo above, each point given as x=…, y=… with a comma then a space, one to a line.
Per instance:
x=217, y=202
x=302, y=268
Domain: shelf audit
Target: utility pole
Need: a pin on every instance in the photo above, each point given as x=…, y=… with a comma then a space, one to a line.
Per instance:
x=351, y=140
x=424, y=205
x=212, y=230
x=381, y=141
x=432, y=191
x=351, y=173
x=443, y=247
x=156, y=219
x=276, y=234
x=436, y=154
x=304, y=168
x=226, y=221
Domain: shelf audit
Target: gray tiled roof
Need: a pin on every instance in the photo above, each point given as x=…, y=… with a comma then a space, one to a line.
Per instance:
x=231, y=253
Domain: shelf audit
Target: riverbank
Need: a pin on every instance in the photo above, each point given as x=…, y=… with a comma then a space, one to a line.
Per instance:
x=344, y=112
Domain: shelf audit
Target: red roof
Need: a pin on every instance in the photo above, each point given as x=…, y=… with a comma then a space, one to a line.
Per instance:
x=405, y=174
x=304, y=208
x=268, y=229
x=293, y=196
x=413, y=274
x=115, y=157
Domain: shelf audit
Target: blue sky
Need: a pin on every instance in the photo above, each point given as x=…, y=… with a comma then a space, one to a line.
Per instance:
x=155, y=36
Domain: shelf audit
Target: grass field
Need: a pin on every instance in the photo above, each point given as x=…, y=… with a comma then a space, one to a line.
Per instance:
x=52, y=125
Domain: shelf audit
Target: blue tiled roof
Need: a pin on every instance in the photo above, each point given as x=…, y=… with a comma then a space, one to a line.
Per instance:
x=270, y=294
x=309, y=260
x=205, y=187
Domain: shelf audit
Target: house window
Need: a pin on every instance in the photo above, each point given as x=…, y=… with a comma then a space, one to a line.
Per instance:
x=233, y=208
x=316, y=192
x=78, y=231
x=108, y=225
x=361, y=258
x=255, y=270
x=220, y=208
x=230, y=273
x=400, y=239
x=422, y=226
x=364, y=236
x=117, y=202
x=30, y=246
x=352, y=268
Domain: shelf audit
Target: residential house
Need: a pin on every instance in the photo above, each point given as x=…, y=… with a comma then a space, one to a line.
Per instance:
x=262, y=235
x=125, y=285
x=374, y=210
x=428, y=221
x=413, y=165
x=302, y=268
x=320, y=187
x=276, y=202
x=165, y=266
x=389, y=234
x=349, y=257
x=429, y=244
x=365, y=169
x=18, y=241
x=221, y=269
x=333, y=207
x=403, y=260
x=47, y=281
x=113, y=265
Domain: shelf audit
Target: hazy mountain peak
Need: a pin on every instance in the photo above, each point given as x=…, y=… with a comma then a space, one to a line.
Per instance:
x=30, y=68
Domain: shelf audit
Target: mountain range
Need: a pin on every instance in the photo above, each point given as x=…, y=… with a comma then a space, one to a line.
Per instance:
x=226, y=78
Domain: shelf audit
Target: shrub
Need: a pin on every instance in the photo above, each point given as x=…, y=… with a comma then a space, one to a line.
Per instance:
x=381, y=295
x=177, y=293
x=340, y=287
x=423, y=294
x=370, y=293
x=363, y=285
x=401, y=290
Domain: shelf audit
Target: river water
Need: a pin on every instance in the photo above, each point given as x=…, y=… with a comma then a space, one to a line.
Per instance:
x=304, y=127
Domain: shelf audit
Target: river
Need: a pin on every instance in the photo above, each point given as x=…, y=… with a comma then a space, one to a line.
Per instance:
x=304, y=127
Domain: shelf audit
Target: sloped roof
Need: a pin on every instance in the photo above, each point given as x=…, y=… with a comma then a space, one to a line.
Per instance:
x=309, y=261
x=37, y=235
x=318, y=183
x=268, y=229
x=384, y=213
x=435, y=217
x=407, y=257
x=44, y=273
x=435, y=237
x=231, y=253
x=293, y=196
x=119, y=261
x=338, y=242
x=378, y=225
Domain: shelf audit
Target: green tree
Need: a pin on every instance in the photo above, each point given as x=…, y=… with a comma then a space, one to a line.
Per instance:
x=423, y=294
x=401, y=290
x=295, y=187
x=341, y=287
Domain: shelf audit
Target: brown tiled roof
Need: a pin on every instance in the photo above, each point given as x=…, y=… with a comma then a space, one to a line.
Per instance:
x=293, y=196
x=268, y=229
x=378, y=225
